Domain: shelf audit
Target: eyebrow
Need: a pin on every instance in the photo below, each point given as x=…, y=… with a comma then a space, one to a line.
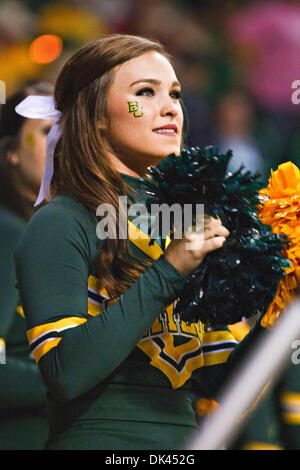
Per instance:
x=153, y=81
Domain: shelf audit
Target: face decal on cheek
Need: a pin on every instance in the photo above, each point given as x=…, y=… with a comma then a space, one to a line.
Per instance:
x=30, y=139
x=145, y=86
x=135, y=109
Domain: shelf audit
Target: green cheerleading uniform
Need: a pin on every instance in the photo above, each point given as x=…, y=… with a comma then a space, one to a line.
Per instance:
x=118, y=374
x=275, y=423
x=22, y=394
x=288, y=399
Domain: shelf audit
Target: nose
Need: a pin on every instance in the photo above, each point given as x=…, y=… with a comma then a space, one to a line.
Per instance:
x=169, y=107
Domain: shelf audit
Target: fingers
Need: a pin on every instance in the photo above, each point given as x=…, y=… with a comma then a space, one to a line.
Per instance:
x=213, y=227
x=212, y=230
x=216, y=231
x=213, y=244
x=187, y=256
x=200, y=246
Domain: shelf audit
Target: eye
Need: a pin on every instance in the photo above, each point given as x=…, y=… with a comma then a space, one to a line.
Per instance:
x=176, y=94
x=145, y=92
x=46, y=130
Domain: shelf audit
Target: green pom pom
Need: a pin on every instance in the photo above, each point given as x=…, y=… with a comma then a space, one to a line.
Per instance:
x=240, y=279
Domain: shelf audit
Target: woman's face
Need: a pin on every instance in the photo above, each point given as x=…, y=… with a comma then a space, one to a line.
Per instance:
x=146, y=117
x=29, y=157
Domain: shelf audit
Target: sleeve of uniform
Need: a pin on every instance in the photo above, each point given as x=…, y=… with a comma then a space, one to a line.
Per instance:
x=52, y=263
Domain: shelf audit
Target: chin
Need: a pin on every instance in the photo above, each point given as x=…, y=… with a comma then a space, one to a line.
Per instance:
x=176, y=151
x=167, y=150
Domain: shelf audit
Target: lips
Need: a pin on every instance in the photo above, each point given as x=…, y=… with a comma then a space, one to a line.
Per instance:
x=168, y=129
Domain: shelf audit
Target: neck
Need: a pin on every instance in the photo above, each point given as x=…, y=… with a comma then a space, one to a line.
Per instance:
x=129, y=168
x=24, y=190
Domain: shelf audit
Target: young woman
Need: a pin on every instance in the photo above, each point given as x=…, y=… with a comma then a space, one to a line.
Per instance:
x=22, y=394
x=117, y=364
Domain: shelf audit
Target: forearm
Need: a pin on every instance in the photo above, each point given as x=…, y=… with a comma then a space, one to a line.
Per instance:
x=103, y=342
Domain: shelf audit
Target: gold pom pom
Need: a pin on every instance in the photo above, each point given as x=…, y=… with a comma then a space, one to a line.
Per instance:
x=280, y=209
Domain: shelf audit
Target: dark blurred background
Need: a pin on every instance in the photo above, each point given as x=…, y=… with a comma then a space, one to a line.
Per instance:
x=236, y=60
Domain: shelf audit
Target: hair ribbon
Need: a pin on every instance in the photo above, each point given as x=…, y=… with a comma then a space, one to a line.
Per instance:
x=43, y=107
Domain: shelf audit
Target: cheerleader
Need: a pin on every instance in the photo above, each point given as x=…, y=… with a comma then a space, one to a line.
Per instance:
x=22, y=394
x=118, y=364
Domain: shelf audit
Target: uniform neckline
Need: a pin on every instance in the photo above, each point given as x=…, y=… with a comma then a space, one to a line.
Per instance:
x=135, y=181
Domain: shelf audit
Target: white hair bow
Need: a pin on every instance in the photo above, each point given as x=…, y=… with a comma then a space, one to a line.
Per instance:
x=43, y=107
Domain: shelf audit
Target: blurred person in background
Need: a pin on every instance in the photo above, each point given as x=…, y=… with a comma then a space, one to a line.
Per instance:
x=234, y=119
x=22, y=153
x=274, y=422
x=265, y=41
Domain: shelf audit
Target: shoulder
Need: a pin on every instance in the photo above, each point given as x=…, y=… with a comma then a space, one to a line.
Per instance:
x=67, y=210
x=64, y=214
x=62, y=222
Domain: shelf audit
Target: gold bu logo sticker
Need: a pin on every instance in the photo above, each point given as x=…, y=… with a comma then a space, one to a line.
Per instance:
x=135, y=109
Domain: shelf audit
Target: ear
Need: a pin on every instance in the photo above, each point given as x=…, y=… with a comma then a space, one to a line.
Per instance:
x=12, y=158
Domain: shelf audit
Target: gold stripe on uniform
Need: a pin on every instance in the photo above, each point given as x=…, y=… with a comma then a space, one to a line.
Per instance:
x=168, y=241
x=290, y=402
x=94, y=307
x=20, y=311
x=261, y=446
x=36, y=332
x=217, y=336
x=290, y=417
x=141, y=240
x=218, y=357
x=39, y=331
x=216, y=339
x=94, y=284
x=43, y=348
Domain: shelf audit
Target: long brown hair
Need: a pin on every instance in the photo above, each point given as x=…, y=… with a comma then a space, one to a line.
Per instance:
x=80, y=164
x=10, y=129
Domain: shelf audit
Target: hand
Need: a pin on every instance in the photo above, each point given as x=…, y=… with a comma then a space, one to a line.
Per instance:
x=186, y=256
